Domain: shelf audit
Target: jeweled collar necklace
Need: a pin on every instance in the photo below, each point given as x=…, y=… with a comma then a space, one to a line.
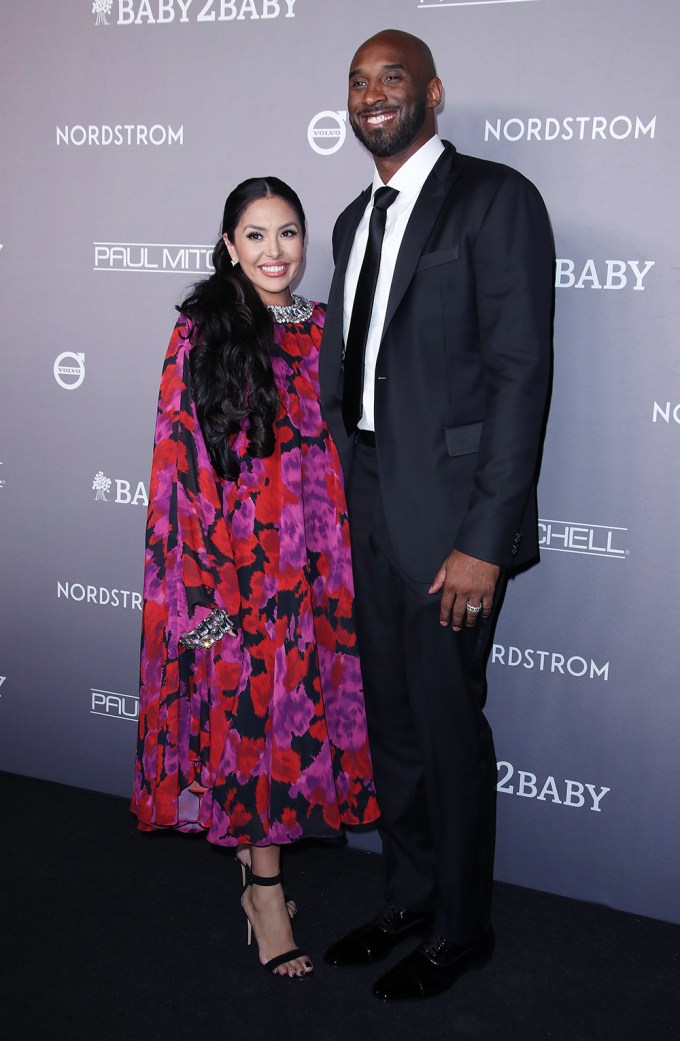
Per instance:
x=299, y=311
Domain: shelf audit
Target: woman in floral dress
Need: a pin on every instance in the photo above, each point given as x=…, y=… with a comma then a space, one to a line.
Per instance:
x=251, y=724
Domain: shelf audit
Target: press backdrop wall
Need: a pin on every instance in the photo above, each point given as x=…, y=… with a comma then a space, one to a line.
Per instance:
x=124, y=126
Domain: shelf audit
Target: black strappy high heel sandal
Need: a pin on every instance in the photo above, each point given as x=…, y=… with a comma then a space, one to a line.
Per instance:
x=296, y=952
x=290, y=903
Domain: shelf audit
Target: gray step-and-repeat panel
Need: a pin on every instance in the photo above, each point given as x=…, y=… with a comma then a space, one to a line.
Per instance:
x=124, y=125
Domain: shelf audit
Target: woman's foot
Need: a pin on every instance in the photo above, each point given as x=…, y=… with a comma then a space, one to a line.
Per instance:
x=265, y=908
x=244, y=859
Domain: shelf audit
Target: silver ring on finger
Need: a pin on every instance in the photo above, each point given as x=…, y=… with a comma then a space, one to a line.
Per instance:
x=473, y=610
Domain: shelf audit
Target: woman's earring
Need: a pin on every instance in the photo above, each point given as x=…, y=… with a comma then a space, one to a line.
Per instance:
x=234, y=261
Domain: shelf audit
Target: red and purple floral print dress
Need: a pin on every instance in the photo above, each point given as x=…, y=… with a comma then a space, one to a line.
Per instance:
x=262, y=737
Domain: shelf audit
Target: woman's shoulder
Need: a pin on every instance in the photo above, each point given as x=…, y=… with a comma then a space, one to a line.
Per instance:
x=318, y=316
x=184, y=327
x=184, y=333
x=181, y=340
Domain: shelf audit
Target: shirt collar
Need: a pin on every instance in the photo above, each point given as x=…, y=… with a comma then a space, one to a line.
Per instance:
x=410, y=178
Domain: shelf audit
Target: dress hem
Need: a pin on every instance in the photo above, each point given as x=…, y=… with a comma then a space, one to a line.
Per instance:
x=194, y=827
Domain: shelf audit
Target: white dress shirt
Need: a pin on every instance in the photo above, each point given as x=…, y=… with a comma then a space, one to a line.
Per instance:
x=408, y=181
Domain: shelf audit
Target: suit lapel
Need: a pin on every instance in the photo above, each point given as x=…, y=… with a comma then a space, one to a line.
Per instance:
x=330, y=359
x=336, y=295
x=422, y=220
x=419, y=227
x=354, y=214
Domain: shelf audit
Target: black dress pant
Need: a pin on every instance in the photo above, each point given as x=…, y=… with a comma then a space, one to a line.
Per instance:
x=432, y=747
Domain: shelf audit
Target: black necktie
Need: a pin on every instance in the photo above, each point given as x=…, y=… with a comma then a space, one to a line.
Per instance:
x=362, y=310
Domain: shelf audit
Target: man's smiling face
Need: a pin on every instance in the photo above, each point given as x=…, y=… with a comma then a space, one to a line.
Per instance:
x=391, y=96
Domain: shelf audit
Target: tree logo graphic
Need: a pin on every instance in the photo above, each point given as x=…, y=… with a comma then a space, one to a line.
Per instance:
x=102, y=8
x=101, y=485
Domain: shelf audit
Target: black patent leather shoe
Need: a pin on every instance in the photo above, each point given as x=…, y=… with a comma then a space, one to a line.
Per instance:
x=374, y=941
x=433, y=967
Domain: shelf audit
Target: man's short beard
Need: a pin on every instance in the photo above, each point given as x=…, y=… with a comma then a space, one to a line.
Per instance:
x=389, y=141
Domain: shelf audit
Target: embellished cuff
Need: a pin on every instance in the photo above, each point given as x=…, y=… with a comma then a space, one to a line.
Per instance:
x=210, y=630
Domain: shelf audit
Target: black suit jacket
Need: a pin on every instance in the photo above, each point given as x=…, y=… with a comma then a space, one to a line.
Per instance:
x=463, y=369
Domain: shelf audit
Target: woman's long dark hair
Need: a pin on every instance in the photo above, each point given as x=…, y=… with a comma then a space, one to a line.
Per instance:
x=233, y=334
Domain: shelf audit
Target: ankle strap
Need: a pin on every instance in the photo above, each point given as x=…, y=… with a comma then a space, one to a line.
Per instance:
x=262, y=880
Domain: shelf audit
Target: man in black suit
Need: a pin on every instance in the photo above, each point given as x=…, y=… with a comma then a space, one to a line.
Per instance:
x=434, y=378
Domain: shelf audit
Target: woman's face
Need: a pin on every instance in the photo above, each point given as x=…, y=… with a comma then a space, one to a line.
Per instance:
x=269, y=247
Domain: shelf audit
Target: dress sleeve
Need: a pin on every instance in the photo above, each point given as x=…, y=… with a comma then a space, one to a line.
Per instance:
x=190, y=578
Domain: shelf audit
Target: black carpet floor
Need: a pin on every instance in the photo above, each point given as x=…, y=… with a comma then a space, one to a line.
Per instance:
x=111, y=935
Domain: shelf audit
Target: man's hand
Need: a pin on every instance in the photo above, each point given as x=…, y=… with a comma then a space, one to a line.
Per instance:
x=464, y=580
